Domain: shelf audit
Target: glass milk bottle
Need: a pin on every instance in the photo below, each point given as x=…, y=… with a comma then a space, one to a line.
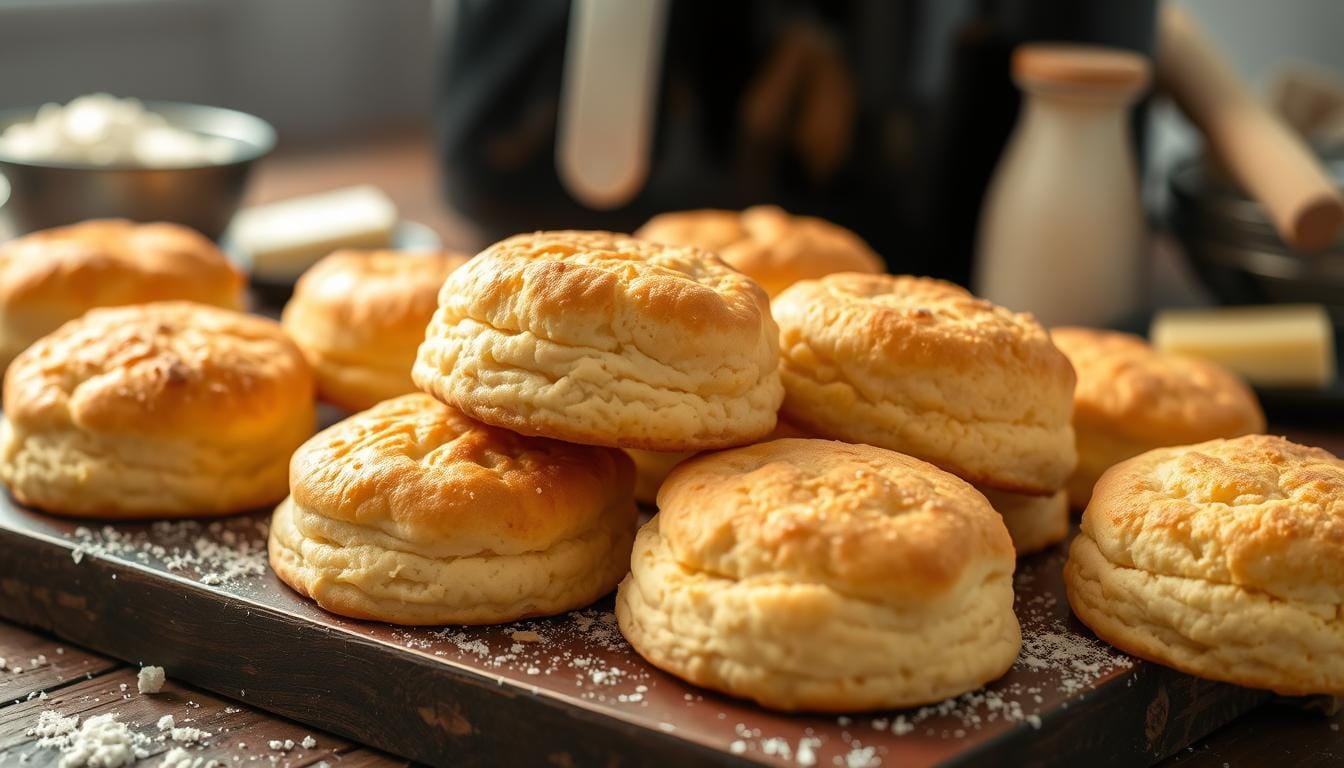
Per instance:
x=1062, y=230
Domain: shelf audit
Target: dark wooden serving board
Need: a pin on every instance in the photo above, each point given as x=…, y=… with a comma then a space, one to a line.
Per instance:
x=154, y=594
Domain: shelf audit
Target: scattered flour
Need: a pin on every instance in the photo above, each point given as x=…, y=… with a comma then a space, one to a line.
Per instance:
x=220, y=552
x=179, y=757
x=53, y=730
x=584, y=644
x=188, y=735
x=100, y=742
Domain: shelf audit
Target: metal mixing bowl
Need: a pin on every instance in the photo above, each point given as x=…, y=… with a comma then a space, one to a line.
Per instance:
x=1234, y=249
x=205, y=197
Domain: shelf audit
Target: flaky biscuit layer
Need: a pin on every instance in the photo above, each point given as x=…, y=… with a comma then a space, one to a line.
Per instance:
x=77, y=473
x=1215, y=630
x=411, y=512
x=922, y=367
x=365, y=573
x=603, y=339
x=1223, y=559
x=796, y=644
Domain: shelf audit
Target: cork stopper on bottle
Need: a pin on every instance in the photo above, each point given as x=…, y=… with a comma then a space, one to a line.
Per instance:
x=1082, y=66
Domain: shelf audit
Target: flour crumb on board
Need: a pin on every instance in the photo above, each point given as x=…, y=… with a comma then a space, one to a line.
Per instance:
x=187, y=735
x=216, y=553
x=581, y=645
x=1074, y=660
x=308, y=742
x=149, y=679
x=166, y=723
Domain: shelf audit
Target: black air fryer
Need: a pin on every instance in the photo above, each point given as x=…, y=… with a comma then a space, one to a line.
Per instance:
x=886, y=116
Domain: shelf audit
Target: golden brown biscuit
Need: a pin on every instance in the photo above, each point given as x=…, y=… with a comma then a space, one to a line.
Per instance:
x=603, y=339
x=1223, y=559
x=1131, y=398
x=55, y=275
x=1034, y=522
x=359, y=317
x=922, y=367
x=767, y=244
x=155, y=410
x=817, y=575
x=412, y=513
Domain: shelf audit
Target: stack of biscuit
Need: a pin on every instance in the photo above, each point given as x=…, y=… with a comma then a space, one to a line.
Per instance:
x=767, y=572
x=505, y=494
x=503, y=491
x=834, y=274
x=924, y=368
x=772, y=247
x=132, y=386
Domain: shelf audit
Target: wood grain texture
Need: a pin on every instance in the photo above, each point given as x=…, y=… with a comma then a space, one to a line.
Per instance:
x=86, y=684
x=1283, y=733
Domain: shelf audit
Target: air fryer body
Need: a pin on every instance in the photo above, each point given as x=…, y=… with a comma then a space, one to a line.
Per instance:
x=886, y=116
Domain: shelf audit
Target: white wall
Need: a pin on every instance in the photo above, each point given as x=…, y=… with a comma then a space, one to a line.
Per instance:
x=312, y=67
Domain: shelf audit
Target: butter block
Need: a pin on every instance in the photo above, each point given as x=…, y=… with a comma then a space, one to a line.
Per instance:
x=284, y=238
x=1272, y=346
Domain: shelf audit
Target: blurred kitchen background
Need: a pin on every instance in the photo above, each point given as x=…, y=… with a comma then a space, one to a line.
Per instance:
x=897, y=124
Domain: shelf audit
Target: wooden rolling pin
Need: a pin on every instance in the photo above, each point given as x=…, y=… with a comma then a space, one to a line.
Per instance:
x=1262, y=153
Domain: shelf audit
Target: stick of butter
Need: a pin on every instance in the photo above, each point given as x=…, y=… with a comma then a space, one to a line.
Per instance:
x=1289, y=345
x=284, y=238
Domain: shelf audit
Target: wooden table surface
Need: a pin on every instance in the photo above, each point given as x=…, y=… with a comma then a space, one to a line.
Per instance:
x=43, y=674
x=57, y=676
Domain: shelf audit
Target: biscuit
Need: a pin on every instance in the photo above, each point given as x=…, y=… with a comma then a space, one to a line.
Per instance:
x=56, y=275
x=602, y=339
x=1131, y=398
x=922, y=367
x=155, y=410
x=1035, y=523
x=767, y=244
x=1223, y=560
x=359, y=317
x=817, y=575
x=412, y=513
